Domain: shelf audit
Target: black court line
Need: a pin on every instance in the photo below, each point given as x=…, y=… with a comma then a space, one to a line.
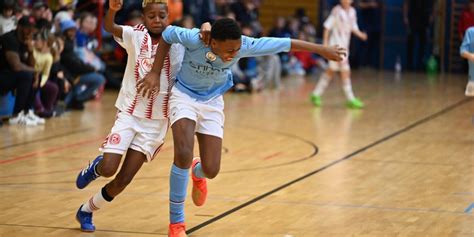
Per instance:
x=347, y=157
x=46, y=138
x=77, y=229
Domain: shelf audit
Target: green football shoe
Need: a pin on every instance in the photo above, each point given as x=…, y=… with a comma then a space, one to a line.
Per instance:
x=355, y=104
x=315, y=99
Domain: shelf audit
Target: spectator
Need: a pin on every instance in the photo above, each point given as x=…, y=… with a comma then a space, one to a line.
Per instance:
x=246, y=13
x=417, y=15
x=41, y=11
x=467, y=19
x=45, y=99
x=85, y=75
x=7, y=18
x=17, y=71
x=370, y=18
x=201, y=10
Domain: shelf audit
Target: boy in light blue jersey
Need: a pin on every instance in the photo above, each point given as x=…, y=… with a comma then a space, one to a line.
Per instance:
x=467, y=52
x=197, y=105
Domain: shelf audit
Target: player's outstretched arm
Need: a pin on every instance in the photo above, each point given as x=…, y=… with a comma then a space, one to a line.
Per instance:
x=334, y=53
x=109, y=23
x=151, y=82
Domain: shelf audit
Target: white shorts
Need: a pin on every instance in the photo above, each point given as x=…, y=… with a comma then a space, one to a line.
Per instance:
x=339, y=66
x=208, y=115
x=139, y=134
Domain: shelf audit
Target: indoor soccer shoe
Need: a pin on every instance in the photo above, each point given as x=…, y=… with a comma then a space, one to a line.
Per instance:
x=85, y=219
x=470, y=88
x=199, y=193
x=315, y=99
x=177, y=230
x=355, y=104
x=88, y=174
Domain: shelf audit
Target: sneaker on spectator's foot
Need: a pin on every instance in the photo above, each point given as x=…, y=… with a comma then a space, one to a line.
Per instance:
x=470, y=88
x=199, y=192
x=88, y=174
x=177, y=230
x=31, y=114
x=22, y=119
x=355, y=104
x=85, y=219
x=315, y=99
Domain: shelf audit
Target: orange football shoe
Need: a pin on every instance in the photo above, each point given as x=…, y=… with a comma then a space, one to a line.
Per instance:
x=177, y=230
x=199, y=186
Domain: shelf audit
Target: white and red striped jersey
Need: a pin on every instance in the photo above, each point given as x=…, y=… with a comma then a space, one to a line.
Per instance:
x=341, y=23
x=141, y=55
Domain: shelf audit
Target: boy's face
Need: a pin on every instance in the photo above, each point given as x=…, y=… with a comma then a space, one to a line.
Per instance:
x=226, y=49
x=155, y=17
x=71, y=33
x=346, y=3
x=89, y=24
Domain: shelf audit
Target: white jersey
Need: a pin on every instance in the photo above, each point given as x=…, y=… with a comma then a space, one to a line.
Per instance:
x=341, y=23
x=141, y=55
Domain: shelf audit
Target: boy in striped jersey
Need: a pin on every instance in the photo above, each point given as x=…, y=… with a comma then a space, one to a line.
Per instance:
x=141, y=123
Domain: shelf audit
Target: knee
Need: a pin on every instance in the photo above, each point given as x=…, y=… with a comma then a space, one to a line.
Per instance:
x=183, y=156
x=107, y=170
x=211, y=171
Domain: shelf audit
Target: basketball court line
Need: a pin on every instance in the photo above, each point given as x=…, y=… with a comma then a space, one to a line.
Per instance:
x=77, y=229
x=347, y=157
x=45, y=138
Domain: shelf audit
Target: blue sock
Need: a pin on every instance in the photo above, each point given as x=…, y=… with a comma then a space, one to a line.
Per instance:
x=178, y=186
x=197, y=171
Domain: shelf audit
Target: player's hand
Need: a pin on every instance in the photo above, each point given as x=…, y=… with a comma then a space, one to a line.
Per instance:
x=363, y=36
x=149, y=85
x=205, y=33
x=115, y=5
x=334, y=53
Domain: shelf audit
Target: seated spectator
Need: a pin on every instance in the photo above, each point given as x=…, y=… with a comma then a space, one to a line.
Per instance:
x=17, y=70
x=59, y=76
x=45, y=99
x=84, y=75
x=7, y=18
x=306, y=59
x=41, y=11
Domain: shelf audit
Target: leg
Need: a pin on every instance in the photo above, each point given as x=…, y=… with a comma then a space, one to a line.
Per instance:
x=183, y=139
x=421, y=48
x=352, y=101
x=92, y=81
x=133, y=162
x=323, y=83
x=210, y=148
x=410, y=45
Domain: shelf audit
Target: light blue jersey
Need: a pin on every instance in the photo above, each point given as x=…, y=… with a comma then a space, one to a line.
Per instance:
x=203, y=75
x=468, y=45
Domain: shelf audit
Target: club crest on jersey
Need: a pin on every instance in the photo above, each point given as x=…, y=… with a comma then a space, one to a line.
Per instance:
x=211, y=56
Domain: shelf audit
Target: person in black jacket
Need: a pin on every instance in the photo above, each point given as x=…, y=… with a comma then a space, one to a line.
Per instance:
x=84, y=75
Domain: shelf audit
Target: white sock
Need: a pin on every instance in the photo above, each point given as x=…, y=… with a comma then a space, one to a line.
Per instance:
x=347, y=87
x=322, y=84
x=94, y=203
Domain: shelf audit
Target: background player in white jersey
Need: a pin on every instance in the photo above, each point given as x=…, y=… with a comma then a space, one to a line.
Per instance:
x=338, y=27
x=141, y=123
x=197, y=105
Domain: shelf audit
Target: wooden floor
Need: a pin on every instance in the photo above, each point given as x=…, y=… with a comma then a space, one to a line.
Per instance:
x=403, y=166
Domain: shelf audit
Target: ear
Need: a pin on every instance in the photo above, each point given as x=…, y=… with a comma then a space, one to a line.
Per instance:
x=213, y=43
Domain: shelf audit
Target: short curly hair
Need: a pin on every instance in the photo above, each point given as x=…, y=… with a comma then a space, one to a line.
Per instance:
x=226, y=29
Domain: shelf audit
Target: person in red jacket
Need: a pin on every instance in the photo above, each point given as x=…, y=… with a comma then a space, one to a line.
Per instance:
x=467, y=19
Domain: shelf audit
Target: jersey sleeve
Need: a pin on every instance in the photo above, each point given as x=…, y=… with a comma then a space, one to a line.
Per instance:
x=254, y=47
x=467, y=40
x=189, y=38
x=127, y=37
x=355, y=26
x=330, y=21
